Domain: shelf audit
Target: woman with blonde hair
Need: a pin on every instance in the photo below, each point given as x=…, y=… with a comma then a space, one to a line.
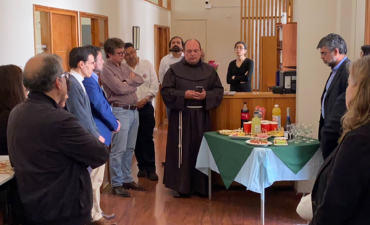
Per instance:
x=341, y=194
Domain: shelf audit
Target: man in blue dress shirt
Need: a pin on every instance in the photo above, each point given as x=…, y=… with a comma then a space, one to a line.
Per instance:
x=106, y=123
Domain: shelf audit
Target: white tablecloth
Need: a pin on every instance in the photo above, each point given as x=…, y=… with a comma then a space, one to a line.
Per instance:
x=251, y=173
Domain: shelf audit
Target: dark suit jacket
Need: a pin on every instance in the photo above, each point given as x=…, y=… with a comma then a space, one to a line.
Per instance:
x=337, y=87
x=101, y=110
x=331, y=131
x=78, y=104
x=341, y=194
x=50, y=152
x=4, y=115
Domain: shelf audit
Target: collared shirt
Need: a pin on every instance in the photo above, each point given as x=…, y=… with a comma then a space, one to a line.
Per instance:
x=165, y=64
x=150, y=86
x=118, y=85
x=331, y=78
x=79, y=78
x=95, y=76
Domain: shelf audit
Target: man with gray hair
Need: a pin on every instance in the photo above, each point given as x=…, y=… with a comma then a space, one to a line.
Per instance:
x=50, y=150
x=333, y=50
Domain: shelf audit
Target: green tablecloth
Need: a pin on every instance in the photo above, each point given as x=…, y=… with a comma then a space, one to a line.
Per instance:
x=230, y=154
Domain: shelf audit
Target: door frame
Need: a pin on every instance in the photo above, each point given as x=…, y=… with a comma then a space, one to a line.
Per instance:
x=95, y=28
x=160, y=109
x=52, y=11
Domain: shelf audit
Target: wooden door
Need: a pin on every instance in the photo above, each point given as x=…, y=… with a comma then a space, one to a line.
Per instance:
x=63, y=33
x=161, y=40
x=55, y=32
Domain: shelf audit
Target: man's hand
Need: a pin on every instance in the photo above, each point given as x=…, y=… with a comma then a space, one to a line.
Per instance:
x=142, y=103
x=189, y=94
x=132, y=75
x=200, y=96
x=101, y=139
x=118, y=128
x=233, y=78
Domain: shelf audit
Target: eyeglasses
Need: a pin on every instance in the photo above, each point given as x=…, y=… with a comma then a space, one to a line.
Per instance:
x=324, y=53
x=121, y=53
x=67, y=75
x=239, y=48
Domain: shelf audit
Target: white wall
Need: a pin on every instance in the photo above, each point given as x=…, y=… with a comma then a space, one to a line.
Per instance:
x=223, y=24
x=145, y=15
x=16, y=23
x=316, y=19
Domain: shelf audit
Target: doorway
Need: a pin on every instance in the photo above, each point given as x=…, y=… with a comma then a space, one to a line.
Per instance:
x=55, y=32
x=161, y=40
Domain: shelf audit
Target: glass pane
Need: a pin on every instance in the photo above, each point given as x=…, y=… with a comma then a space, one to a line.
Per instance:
x=86, y=31
x=154, y=1
x=165, y=5
x=42, y=32
x=102, y=37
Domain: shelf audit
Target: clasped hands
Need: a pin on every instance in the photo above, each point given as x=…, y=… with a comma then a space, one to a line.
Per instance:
x=190, y=94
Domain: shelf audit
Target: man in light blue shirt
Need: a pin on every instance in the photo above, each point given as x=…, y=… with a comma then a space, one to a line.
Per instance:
x=333, y=50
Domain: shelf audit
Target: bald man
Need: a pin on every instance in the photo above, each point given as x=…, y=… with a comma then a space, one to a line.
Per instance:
x=190, y=89
x=50, y=150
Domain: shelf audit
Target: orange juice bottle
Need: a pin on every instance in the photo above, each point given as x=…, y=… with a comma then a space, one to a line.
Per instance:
x=276, y=115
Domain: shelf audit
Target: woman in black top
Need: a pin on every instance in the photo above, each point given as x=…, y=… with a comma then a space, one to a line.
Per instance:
x=12, y=93
x=240, y=71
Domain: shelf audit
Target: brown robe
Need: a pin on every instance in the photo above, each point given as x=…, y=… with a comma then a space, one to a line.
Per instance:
x=180, y=173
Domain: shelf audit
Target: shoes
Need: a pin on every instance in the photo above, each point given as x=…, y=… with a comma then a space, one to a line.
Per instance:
x=133, y=186
x=121, y=191
x=179, y=195
x=103, y=221
x=141, y=173
x=108, y=216
x=152, y=176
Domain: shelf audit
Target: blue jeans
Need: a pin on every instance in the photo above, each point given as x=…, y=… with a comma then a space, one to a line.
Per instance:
x=123, y=146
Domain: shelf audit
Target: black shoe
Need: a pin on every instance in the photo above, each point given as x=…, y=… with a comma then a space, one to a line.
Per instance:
x=141, y=173
x=121, y=191
x=152, y=176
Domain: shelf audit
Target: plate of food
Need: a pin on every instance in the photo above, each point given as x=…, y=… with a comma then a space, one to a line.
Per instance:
x=276, y=133
x=280, y=141
x=262, y=142
x=244, y=136
x=229, y=132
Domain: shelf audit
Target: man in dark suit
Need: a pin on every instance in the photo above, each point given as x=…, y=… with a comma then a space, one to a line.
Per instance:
x=82, y=63
x=333, y=50
x=50, y=150
x=106, y=123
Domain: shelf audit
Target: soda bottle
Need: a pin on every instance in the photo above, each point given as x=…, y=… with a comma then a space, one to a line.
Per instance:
x=244, y=115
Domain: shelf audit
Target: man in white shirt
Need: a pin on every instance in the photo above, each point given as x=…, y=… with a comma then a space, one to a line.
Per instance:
x=176, y=46
x=144, y=150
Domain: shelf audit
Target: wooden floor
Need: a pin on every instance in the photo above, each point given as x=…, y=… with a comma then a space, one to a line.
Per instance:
x=157, y=206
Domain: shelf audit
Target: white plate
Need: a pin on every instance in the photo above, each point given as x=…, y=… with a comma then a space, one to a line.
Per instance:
x=229, y=92
x=261, y=145
x=281, y=145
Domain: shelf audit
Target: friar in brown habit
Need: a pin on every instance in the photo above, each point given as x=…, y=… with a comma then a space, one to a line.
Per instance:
x=190, y=89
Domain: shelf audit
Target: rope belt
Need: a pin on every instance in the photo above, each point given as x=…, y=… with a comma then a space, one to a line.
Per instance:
x=180, y=132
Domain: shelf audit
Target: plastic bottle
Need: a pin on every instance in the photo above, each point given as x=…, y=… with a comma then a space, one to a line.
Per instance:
x=256, y=124
x=244, y=114
x=276, y=115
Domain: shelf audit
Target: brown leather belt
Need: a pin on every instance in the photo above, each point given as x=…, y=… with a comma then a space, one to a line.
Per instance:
x=130, y=107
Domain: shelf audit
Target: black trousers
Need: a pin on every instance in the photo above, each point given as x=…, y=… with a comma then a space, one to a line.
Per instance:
x=144, y=150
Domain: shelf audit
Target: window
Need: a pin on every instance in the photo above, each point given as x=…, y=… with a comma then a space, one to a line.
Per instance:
x=161, y=3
